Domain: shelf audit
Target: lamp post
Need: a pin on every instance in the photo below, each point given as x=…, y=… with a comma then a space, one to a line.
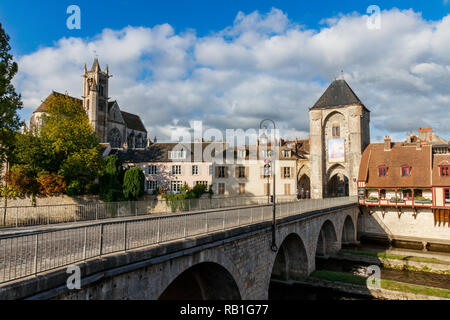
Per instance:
x=273, y=245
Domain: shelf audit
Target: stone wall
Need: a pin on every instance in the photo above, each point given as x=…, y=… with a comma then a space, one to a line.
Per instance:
x=405, y=224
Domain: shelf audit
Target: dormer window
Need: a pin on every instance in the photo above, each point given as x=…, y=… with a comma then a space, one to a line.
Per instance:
x=445, y=170
x=176, y=155
x=382, y=171
x=406, y=171
x=287, y=153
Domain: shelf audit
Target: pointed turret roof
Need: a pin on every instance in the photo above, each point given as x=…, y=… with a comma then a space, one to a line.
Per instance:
x=337, y=94
x=95, y=66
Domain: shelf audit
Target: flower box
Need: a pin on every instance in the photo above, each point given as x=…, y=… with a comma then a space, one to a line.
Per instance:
x=397, y=201
x=422, y=201
x=371, y=200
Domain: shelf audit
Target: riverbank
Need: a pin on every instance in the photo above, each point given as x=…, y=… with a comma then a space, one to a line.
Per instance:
x=388, y=289
x=396, y=261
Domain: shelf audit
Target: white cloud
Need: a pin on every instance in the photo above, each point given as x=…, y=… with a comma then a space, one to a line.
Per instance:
x=263, y=65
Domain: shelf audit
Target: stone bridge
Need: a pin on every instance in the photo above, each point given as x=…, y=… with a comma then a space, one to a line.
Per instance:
x=238, y=263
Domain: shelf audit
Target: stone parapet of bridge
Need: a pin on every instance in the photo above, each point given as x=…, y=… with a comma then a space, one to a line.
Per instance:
x=229, y=263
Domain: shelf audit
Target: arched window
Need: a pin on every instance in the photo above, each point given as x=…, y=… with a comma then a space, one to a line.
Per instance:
x=114, y=138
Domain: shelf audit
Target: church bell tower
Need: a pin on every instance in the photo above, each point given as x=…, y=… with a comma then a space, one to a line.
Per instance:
x=95, y=98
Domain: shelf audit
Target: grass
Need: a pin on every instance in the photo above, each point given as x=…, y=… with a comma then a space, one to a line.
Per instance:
x=385, y=284
x=385, y=255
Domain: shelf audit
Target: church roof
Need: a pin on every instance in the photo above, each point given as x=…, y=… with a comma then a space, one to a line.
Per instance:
x=133, y=121
x=337, y=94
x=44, y=105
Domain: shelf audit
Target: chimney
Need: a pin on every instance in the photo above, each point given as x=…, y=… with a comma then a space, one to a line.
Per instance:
x=387, y=143
x=155, y=140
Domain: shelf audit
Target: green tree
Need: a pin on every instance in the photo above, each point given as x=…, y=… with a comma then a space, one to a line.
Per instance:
x=66, y=145
x=111, y=180
x=10, y=101
x=133, y=183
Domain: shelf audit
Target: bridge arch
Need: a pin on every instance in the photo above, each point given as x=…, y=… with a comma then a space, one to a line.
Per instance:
x=327, y=241
x=348, y=231
x=203, y=281
x=291, y=261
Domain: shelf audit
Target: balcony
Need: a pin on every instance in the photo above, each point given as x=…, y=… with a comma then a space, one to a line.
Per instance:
x=395, y=198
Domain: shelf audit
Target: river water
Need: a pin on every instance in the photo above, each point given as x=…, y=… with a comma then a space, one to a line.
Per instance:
x=302, y=292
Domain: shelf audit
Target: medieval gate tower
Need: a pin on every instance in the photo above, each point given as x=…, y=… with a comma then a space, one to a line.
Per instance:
x=339, y=133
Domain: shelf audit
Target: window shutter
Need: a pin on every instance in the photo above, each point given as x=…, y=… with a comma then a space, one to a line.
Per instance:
x=226, y=172
x=236, y=172
x=182, y=170
x=199, y=169
x=217, y=172
x=246, y=171
x=282, y=172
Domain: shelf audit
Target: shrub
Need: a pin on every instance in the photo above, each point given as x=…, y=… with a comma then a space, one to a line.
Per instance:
x=74, y=188
x=133, y=183
x=51, y=184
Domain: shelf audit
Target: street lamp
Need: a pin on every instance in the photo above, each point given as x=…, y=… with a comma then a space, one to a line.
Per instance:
x=274, y=245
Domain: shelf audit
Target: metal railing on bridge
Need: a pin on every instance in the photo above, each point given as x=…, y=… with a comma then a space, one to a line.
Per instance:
x=24, y=216
x=29, y=254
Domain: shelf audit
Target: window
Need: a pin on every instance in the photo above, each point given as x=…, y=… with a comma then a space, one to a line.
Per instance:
x=221, y=187
x=241, y=188
x=407, y=194
x=287, y=153
x=204, y=183
x=336, y=131
x=267, y=153
x=287, y=189
x=445, y=171
x=417, y=193
x=382, y=194
x=177, y=155
x=194, y=170
x=152, y=170
x=266, y=171
x=447, y=195
x=240, y=172
x=176, y=170
x=152, y=185
x=286, y=172
x=406, y=171
x=382, y=171
x=241, y=153
x=220, y=172
x=175, y=186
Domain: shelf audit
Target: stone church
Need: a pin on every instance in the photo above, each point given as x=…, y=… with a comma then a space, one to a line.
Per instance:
x=111, y=124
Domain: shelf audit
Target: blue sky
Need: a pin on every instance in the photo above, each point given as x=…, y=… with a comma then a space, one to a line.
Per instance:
x=230, y=63
x=39, y=23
